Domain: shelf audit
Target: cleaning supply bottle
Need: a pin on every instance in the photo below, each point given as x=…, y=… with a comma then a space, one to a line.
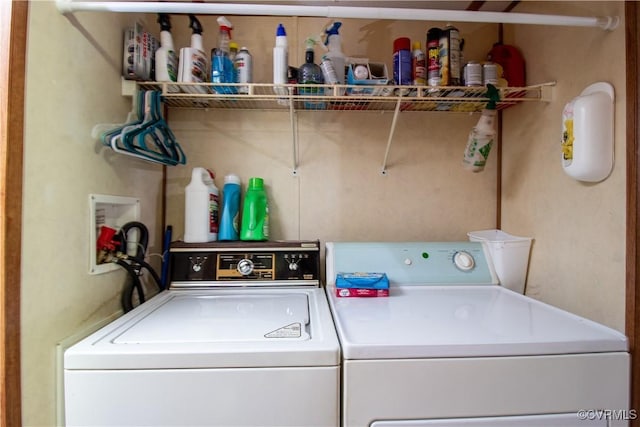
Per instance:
x=483, y=135
x=334, y=45
x=449, y=56
x=255, y=212
x=230, y=216
x=166, y=59
x=419, y=70
x=193, y=61
x=233, y=50
x=244, y=69
x=222, y=69
x=402, y=61
x=309, y=74
x=280, y=61
x=201, y=208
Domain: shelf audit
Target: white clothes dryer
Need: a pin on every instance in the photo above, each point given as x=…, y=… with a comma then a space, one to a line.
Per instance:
x=243, y=337
x=450, y=347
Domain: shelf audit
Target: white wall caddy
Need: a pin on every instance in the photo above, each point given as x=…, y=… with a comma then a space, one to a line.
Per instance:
x=588, y=134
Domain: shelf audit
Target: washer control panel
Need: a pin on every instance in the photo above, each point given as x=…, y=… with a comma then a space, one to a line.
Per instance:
x=245, y=263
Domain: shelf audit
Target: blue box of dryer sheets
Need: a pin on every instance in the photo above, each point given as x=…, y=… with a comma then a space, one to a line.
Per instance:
x=376, y=76
x=362, y=285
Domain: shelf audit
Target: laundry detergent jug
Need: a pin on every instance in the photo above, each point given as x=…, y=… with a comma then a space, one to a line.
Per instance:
x=201, y=208
x=255, y=212
x=230, y=217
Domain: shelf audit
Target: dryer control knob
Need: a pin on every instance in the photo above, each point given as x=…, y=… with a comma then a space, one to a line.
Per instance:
x=245, y=267
x=464, y=261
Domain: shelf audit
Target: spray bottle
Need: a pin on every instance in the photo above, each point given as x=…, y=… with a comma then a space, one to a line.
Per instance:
x=193, y=61
x=166, y=60
x=482, y=135
x=309, y=74
x=334, y=43
x=280, y=61
x=222, y=69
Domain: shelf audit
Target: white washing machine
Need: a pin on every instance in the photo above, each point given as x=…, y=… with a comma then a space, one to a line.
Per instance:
x=243, y=337
x=450, y=347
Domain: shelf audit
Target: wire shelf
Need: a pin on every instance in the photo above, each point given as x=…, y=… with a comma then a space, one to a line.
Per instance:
x=294, y=98
x=270, y=97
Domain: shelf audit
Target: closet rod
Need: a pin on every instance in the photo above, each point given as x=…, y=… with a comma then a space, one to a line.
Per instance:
x=70, y=6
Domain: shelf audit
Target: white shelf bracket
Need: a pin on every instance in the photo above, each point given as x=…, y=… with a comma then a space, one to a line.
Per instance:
x=396, y=112
x=293, y=118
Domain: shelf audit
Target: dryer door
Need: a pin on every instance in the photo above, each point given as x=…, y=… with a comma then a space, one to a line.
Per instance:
x=580, y=419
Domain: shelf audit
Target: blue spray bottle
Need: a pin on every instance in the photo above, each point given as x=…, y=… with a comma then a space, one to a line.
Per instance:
x=222, y=69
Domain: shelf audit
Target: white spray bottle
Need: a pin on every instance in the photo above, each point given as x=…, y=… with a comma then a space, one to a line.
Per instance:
x=166, y=59
x=482, y=135
x=334, y=44
x=193, y=61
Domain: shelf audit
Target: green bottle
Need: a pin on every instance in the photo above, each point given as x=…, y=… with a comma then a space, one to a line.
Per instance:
x=255, y=213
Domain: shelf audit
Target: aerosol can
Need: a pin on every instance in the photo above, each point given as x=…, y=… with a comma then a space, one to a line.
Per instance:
x=244, y=69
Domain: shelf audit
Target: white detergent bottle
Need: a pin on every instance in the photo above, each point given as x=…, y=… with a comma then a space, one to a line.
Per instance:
x=201, y=208
x=166, y=59
x=334, y=44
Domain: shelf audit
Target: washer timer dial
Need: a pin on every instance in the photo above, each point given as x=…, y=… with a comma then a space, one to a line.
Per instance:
x=464, y=261
x=245, y=266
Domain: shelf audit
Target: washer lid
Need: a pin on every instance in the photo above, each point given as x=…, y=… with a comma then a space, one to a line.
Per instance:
x=462, y=321
x=215, y=329
x=222, y=318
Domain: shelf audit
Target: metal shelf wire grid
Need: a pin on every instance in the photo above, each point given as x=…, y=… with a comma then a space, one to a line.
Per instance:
x=266, y=97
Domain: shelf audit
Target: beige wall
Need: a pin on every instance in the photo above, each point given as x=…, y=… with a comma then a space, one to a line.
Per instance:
x=339, y=193
x=578, y=257
x=71, y=87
